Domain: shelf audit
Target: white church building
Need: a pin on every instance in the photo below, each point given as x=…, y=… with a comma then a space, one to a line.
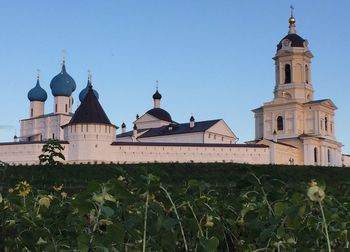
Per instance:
x=293, y=128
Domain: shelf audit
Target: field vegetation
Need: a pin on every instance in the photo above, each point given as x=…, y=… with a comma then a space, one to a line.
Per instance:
x=174, y=207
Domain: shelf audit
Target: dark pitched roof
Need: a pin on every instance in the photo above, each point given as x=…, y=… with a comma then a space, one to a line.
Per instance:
x=177, y=128
x=182, y=128
x=129, y=133
x=90, y=111
x=160, y=114
x=189, y=144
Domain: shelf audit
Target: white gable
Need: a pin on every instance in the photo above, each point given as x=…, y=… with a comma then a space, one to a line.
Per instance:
x=221, y=128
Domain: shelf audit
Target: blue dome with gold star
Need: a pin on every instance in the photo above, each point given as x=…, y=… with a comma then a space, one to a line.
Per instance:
x=62, y=84
x=37, y=93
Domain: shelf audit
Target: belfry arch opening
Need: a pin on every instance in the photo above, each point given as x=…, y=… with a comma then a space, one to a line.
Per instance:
x=280, y=123
x=287, y=74
x=315, y=155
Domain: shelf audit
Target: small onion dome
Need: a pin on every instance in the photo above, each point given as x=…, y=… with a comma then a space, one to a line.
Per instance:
x=192, y=119
x=135, y=127
x=62, y=84
x=37, y=93
x=85, y=90
x=157, y=95
x=123, y=125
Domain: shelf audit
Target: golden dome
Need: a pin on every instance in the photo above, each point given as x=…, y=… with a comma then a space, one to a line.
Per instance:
x=291, y=20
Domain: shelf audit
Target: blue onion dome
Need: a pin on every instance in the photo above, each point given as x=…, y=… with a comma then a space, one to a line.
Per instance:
x=62, y=84
x=157, y=95
x=85, y=91
x=37, y=93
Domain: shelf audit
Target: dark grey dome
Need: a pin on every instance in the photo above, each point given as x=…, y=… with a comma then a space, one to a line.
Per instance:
x=296, y=40
x=157, y=95
x=160, y=114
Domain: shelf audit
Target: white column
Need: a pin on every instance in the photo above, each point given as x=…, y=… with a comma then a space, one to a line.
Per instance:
x=306, y=154
x=295, y=122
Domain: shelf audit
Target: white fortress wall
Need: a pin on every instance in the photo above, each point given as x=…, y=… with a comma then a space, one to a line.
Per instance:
x=346, y=160
x=24, y=153
x=185, y=153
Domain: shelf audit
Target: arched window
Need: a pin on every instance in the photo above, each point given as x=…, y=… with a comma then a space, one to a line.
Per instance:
x=326, y=123
x=329, y=155
x=66, y=108
x=306, y=74
x=287, y=73
x=31, y=112
x=315, y=155
x=280, y=123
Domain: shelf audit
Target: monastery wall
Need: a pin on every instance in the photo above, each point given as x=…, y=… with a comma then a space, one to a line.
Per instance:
x=168, y=153
x=346, y=160
x=23, y=153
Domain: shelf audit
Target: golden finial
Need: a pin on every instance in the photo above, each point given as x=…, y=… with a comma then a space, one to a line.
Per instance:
x=291, y=19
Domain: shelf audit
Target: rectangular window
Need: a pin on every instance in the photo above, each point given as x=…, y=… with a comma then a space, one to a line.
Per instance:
x=56, y=108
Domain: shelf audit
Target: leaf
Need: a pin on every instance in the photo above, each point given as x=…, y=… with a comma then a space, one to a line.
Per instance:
x=115, y=233
x=279, y=208
x=107, y=211
x=83, y=243
x=209, y=244
x=169, y=223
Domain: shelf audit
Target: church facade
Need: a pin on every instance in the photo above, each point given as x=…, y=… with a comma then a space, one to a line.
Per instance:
x=294, y=117
x=293, y=128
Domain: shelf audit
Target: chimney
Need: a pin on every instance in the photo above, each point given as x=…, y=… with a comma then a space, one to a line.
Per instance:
x=274, y=136
x=123, y=128
x=134, y=133
x=192, y=122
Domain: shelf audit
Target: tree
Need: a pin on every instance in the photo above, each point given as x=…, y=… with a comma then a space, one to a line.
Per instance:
x=52, y=153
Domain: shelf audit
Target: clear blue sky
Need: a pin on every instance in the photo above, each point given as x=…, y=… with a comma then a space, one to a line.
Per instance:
x=212, y=58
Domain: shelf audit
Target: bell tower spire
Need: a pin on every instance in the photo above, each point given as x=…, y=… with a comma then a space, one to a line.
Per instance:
x=292, y=67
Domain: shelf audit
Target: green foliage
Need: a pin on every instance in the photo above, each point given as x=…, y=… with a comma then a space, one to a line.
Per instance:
x=161, y=208
x=52, y=153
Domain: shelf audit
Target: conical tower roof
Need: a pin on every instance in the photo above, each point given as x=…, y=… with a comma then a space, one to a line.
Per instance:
x=90, y=111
